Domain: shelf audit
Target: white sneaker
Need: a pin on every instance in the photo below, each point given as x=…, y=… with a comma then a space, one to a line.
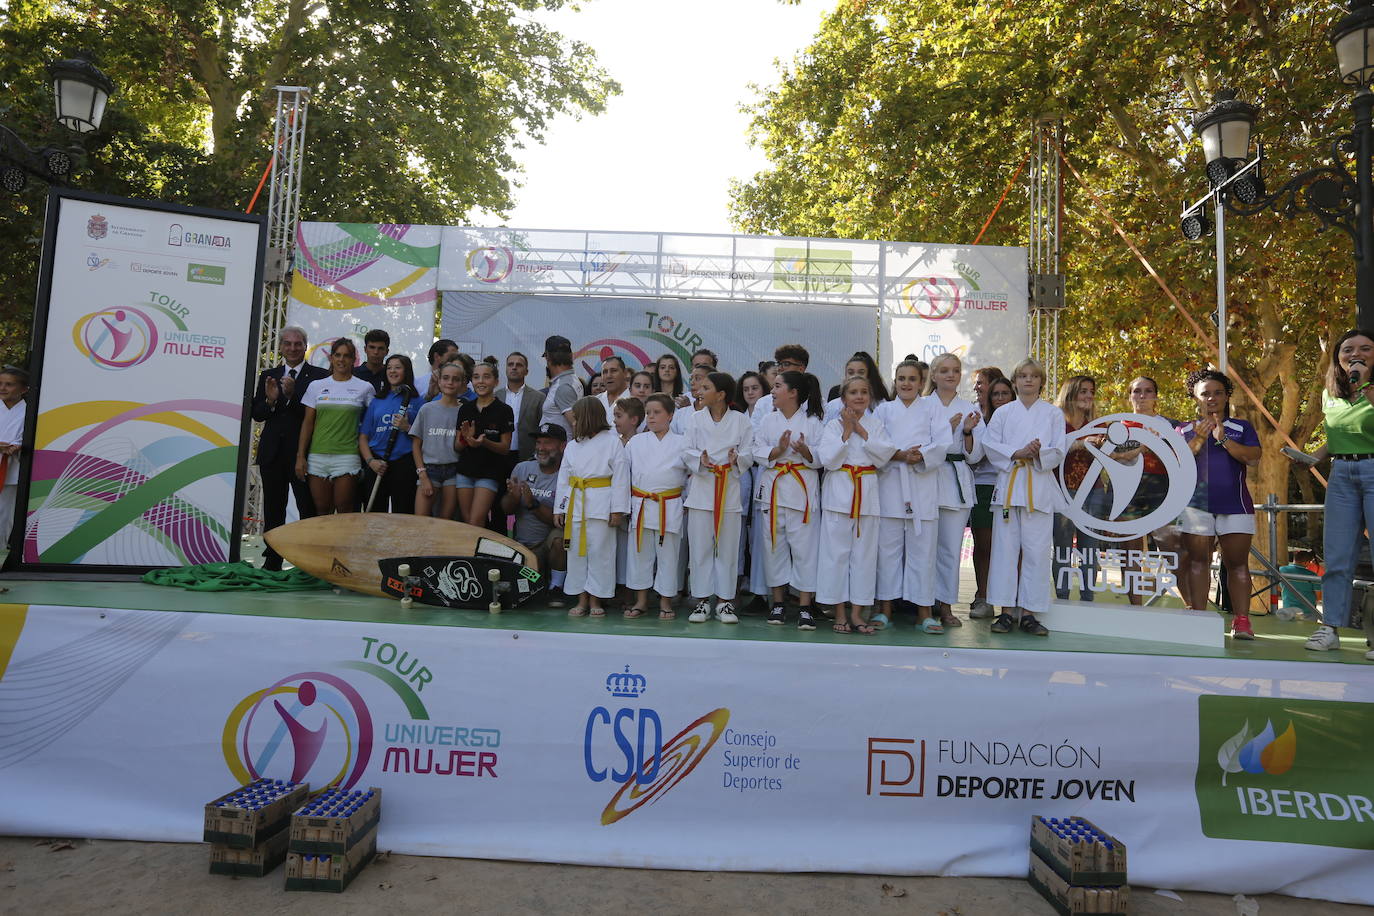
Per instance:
x=1369, y=656
x=980, y=610
x=725, y=612
x=701, y=613
x=1322, y=639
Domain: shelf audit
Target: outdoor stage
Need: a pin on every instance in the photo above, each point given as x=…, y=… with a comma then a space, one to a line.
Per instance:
x=534, y=736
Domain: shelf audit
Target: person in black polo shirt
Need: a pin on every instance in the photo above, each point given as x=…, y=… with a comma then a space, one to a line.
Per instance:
x=485, y=425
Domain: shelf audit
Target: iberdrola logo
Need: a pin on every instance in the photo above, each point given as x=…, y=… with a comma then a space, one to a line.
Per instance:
x=1253, y=784
x=1247, y=752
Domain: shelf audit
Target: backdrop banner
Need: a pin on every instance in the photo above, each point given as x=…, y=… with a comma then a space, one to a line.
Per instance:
x=642, y=330
x=970, y=300
x=1222, y=775
x=143, y=348
x=352, y=277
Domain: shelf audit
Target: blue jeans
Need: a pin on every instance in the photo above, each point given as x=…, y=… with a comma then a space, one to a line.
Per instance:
x=1349, y=510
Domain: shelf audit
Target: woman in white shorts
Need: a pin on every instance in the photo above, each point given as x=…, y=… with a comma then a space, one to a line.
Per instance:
x=328, y=452
x=1221, y=510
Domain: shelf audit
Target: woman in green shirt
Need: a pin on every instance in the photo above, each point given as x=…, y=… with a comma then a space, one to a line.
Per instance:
x=1348, y=406
x=328, y=452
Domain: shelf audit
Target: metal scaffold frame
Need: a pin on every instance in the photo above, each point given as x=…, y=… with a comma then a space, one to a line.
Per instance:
x=283, y=215
x=1046, y=222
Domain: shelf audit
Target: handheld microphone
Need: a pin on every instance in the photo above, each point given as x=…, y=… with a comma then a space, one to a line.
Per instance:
x=1354, y=374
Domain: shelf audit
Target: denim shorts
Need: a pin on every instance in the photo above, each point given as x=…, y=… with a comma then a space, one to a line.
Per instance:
x=331, y=466
x=442, y=475
x=464, y=482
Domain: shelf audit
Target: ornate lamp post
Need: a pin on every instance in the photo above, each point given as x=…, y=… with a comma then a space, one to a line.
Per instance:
x=1328, y=192
x=80, y=92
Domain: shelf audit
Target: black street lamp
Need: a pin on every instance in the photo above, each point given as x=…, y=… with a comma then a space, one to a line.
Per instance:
x=80, y=92
x=1329, y=192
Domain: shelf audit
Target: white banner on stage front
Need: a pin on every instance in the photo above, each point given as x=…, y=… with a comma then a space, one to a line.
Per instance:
x=352, y=277
x=641, y=330
x=1220, y=775
x=970, y=300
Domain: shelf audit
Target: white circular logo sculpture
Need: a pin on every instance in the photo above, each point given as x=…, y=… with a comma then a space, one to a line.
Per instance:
x=1153, y=434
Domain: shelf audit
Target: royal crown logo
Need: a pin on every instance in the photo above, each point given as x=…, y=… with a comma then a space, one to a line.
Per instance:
x=97, y=227
x=625, y=684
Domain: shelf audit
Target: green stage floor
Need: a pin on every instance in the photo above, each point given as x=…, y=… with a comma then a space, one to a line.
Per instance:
x=1277, y=640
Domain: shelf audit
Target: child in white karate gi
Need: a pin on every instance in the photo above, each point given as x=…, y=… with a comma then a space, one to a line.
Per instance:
x=852, y=449
x=1025, y=441
x=591, y=498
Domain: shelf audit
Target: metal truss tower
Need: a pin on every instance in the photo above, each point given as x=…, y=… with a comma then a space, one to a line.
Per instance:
x=1046, y=272
x=283, y=214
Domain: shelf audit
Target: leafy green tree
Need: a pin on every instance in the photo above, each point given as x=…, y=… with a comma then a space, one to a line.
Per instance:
x=417, y=113
x=906, y=118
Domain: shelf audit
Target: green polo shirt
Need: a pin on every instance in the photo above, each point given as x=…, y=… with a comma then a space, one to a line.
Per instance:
x=1349, y=426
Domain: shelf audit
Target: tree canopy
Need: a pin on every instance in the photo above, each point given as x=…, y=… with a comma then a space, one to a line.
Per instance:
x=417, y=114
x=905, y=119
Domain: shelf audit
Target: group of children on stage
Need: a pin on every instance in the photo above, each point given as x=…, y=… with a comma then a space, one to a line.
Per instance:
x=861, y=509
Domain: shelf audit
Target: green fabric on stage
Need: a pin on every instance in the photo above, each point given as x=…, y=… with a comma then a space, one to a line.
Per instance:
x=234, y=577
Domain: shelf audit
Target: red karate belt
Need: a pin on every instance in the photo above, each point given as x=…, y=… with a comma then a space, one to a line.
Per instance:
x=786, y=469
x=857, y=472
x=660, y=497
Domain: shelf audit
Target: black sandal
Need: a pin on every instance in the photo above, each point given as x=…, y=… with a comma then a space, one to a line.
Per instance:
x=1003, y=623
x=1030, y=624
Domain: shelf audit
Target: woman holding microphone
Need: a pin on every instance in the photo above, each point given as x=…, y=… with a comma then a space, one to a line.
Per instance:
x=1348, y=409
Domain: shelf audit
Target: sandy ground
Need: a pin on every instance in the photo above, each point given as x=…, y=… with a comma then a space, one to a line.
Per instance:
x=115, y=877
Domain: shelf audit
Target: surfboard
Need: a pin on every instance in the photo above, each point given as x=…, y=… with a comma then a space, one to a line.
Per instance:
x=346, y=549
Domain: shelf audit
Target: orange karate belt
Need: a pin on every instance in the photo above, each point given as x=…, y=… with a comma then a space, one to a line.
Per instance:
x=1011, y=486
x=857, y=472
x=582, y=484
x=660, y=497
x=721, y=484
x=786, y=469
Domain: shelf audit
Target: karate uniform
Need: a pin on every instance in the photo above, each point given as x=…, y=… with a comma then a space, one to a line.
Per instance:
x=715, y=551
x=1024, y=503
x=655, y=529
x=788, y=502
x=593, y=482
x=957, y=497
x=850, y=517
x=909, y=497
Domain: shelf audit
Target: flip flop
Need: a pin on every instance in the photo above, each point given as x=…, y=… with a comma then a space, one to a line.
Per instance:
x=931, y=626
x=632, y=612
x=864, y=629
x=667, y=615
x=577, y=612
x=878, y=621
x=842, y=628
x=949, y=620
x=598, y=612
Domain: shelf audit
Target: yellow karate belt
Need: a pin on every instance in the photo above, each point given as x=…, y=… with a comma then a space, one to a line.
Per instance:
x=576, y=484
x=1011, y=486
x=857, y=472
x=786, y=469
x=721, y=485
x=658, y=496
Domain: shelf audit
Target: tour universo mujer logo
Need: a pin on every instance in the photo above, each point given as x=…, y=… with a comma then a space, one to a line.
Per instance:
x=490, y=264
x=116, y=338
x=303, y=715
x=1123, y=477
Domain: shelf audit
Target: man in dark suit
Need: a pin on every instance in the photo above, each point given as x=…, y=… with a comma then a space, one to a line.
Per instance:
x=526, y=402
x=277, y=405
